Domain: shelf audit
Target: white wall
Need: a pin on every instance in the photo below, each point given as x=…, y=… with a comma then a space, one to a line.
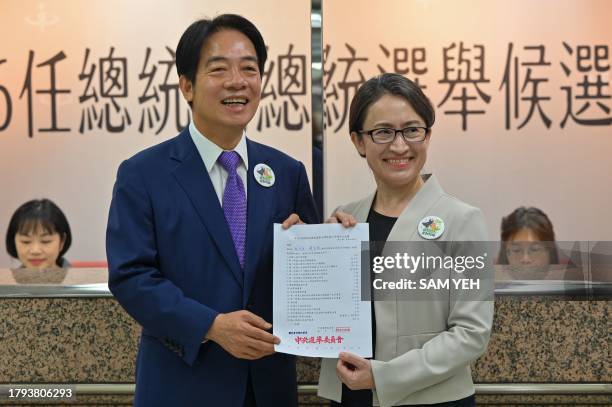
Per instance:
x=76, y=170
x=564, y=171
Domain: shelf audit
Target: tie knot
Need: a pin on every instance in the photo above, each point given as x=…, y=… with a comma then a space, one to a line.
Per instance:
x=229, y=160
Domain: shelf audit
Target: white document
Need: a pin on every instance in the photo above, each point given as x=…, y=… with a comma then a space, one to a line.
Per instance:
x=317, y=291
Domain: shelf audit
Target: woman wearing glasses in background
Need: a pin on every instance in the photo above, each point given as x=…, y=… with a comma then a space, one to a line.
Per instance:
x=422, y=350
x=528, y=245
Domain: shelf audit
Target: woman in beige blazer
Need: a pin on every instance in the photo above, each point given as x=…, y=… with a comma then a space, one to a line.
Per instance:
x=423, y=349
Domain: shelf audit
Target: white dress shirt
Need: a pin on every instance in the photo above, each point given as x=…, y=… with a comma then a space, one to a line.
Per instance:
x=210, y=152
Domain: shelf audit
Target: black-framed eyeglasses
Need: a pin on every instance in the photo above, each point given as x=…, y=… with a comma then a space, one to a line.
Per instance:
x=385, y=135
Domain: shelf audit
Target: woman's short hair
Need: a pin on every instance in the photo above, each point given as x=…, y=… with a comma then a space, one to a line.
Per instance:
x=388, y=84
x=536, y=221
x=35, y=212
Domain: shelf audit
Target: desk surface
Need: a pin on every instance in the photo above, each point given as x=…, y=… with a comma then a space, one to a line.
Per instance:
x=82, y=282
x=92, y=282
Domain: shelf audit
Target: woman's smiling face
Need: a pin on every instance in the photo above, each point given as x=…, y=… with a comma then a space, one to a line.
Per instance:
x=38, y=248
x=398, y=163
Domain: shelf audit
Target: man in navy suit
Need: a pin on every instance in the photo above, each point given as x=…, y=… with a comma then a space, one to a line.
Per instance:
x=189, y=237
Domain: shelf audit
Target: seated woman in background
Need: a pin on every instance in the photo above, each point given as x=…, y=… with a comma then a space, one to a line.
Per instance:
x=527, y=244
x=39, y=235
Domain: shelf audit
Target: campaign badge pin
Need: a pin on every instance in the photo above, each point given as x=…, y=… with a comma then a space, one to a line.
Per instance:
x=431, y=227
x=264, y=175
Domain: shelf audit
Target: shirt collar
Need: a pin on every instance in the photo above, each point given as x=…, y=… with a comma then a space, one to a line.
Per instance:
x=210, y=152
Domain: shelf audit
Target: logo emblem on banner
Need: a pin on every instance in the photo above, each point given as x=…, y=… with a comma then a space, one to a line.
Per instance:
x=431, y=227
x=264, y=175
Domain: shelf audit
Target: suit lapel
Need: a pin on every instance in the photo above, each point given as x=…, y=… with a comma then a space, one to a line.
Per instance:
x=191, y=174
x=406, y=226
x=403, y=230
x=259, y=215
x=361, y=211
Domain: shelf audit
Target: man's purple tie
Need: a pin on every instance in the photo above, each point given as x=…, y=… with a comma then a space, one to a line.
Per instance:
x=234, y=202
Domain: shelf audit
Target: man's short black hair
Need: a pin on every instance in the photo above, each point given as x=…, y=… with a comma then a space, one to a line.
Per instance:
x=38, y=212
x=189, y=48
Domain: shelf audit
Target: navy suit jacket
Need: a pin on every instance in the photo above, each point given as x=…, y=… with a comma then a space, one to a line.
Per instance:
x=173, y=267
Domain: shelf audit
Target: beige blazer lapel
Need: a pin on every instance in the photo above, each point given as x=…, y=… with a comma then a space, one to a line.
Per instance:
x=359, y=209
x=405, y=228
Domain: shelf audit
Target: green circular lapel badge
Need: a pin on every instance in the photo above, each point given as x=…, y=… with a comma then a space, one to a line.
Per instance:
x=431, y=227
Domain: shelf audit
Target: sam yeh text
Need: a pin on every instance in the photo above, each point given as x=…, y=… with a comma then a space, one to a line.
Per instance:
x=428, y=284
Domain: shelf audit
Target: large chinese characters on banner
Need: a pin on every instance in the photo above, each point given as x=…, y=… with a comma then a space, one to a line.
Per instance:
x=84, y=85
x=522, y=92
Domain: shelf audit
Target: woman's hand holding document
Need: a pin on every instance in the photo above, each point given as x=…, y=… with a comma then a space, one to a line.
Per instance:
x=317, y=303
